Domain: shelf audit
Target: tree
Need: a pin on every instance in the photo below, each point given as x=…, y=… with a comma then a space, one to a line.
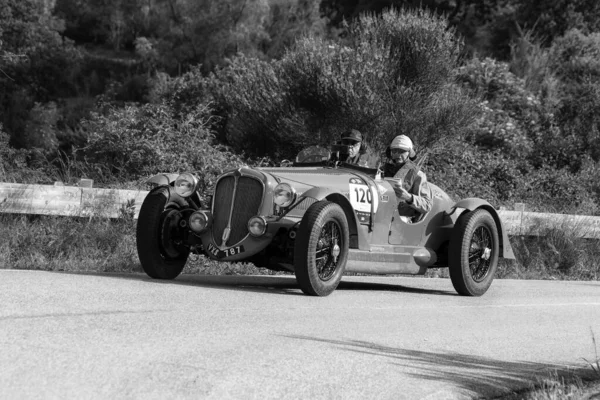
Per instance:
x=32, y=33
x=392, y=74
x=553, y=18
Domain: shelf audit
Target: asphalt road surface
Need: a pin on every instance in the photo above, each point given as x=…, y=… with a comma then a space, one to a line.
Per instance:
x=127, y=336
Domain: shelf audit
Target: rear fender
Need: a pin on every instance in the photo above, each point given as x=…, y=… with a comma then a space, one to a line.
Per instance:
x=471, y=204
x=357, y=238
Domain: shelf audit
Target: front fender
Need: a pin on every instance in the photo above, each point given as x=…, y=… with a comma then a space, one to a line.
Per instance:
x=357, y=236
x=173, y=199
x=318, y=193
x=474, y=203
x=162, y=179
x=168, y=180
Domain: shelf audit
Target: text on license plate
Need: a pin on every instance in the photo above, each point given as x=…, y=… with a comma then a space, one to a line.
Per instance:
x=232, y=251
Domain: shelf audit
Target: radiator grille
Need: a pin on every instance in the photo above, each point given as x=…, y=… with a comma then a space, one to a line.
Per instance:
x=246, y=204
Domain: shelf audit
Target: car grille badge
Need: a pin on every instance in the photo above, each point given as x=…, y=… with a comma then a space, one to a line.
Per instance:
x=225, y=236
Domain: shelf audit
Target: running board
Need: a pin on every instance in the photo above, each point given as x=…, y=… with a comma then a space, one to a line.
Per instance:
x=380, y=262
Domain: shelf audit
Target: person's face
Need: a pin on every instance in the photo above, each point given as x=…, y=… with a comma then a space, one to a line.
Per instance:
x=399, y=156
x=353, y=146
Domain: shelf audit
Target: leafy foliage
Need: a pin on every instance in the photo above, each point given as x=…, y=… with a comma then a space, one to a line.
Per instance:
x=394, y=75
x=37, y=70
x=576, y=63
x=139, y=141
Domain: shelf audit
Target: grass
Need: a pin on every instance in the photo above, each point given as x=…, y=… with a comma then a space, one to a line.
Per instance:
x=555, y=386
x=101, y=244
x=94, y=244
x=557, y=251
x=594, y=364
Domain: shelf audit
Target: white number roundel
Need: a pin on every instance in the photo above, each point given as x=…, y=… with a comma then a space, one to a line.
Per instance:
x=361, y=197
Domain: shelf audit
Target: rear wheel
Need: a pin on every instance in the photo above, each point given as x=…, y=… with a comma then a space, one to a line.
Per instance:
x=473, y=253
x=321, y=248
x=157, y=235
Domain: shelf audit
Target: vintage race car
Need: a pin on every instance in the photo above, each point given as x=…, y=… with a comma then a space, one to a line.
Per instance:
x=318, y=218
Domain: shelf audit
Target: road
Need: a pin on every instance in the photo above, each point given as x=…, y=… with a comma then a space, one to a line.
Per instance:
x=66, y=335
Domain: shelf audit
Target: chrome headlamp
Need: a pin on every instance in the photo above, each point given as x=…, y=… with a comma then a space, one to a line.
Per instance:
x=257, y=226
x=186, y=184
x=284, y=195
x=199, y=221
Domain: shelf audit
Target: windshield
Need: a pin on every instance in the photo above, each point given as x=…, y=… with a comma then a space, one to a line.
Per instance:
x=313, y=154
x=317, y=155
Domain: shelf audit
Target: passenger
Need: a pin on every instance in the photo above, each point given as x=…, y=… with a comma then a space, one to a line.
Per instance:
x=411, y=188
x=356, y=148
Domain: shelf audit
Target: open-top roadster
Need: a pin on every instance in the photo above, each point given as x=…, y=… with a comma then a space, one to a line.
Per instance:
x=318, y=218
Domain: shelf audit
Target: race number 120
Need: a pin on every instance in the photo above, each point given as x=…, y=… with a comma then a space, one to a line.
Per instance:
x=361, y=197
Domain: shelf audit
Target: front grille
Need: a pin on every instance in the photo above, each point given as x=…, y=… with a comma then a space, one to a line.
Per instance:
x=248, y=197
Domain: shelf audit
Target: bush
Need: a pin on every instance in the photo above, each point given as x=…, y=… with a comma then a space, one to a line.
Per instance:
x=67, y=244
x=467, y=170
x=254, y=100
x=558, y=253
x=394, y=74
x=576, y=61
x=139, y=141
x=464, y=170
x=513, y=119
x=14, y=163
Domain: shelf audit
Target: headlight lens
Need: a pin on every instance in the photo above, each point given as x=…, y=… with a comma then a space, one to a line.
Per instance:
x=257, y=226
x=199, y=221
x=284, y=195
x=186, y=184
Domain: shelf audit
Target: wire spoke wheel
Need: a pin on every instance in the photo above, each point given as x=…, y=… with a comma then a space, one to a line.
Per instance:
x=328, y=249
x=321, y=248
x=479, y=253
x=473, y=252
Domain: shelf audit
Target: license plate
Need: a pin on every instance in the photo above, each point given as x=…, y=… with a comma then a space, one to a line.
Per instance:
x=218, y=253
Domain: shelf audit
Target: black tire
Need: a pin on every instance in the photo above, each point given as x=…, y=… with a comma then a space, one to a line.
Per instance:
x=473, y=253
x=323, y=227
x=159, y=256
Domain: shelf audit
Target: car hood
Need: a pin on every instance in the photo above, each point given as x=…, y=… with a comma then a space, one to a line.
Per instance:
x=304, y=178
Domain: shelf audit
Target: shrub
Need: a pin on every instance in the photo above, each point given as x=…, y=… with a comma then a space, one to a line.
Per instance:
x=14, y=163
x=576, y=62
x=533, y=63
x=394, y=74
x=464, y=170
x=67, y=244
x=254, y=100
x=552, y=190
x=138, y=141
x=513, y=119
x=558, y=253
x=40, y=128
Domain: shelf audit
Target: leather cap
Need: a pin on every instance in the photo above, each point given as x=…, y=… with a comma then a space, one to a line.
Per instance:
x=352, y=134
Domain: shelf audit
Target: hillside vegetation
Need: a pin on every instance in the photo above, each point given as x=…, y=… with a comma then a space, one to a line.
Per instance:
x=501, y=99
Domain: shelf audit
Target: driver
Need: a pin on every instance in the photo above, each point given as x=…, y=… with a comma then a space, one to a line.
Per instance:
x=356, y=148
x=411, y=188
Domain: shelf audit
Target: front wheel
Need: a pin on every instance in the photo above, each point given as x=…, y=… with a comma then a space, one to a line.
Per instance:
x=157, y=235
x=321, y=248
x=473, y=253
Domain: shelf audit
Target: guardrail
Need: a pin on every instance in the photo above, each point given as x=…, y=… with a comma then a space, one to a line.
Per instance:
x=86, y=202
x=70, y=201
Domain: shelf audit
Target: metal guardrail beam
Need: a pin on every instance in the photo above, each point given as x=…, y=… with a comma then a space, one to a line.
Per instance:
x=84, y=202
x=68, y=200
